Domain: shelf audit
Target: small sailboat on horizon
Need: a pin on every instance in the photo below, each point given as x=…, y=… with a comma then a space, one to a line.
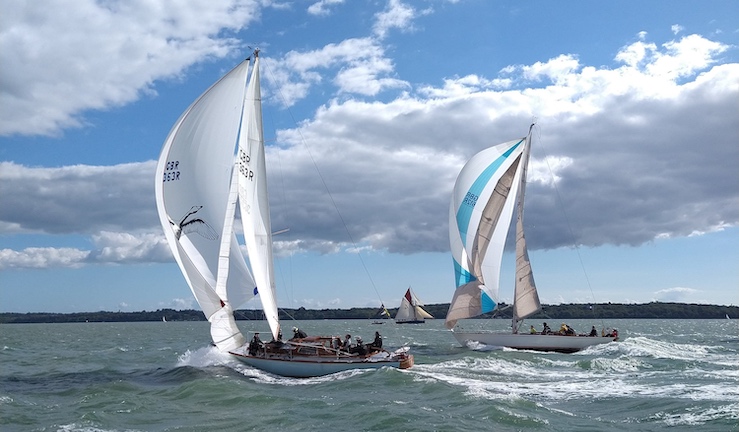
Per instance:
x=382, y=315
x=411, y=310
x=213, y=160
x=488, y=189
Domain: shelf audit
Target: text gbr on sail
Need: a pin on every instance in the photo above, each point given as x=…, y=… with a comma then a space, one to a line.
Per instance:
x=171, y=171
x=244, y=159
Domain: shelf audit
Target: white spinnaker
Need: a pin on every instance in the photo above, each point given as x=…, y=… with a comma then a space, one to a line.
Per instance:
x=253, y=200
x=481, y=210
x=192, y=188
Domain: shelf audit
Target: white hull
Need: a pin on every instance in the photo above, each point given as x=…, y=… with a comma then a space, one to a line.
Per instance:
x=313, y=357
x=534, y=342
x=315, y=366
x=311, y=367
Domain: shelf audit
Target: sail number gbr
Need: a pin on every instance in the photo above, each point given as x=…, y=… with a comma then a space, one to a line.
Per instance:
x=470, y=199
x=244, y=160
x=171, y=171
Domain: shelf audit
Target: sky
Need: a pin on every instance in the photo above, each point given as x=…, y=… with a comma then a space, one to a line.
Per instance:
x=371, y=109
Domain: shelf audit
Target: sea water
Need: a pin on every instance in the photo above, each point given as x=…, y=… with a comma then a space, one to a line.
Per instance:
x=164, y=376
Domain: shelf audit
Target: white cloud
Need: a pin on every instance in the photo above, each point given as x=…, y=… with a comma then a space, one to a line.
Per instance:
x=396, y=15
x=626, y=145
x=359, y=65
x=116, y=247
x=111, y=248
x=78, y=199
x=556, y=70
x=36, y=39
x=42, y=258
x=456, y=87
x=58, y=60
x=677, y=294
x=182, y=304
x=322, y=7
x=685, y=57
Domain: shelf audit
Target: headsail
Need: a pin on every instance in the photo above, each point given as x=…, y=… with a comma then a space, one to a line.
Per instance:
x=193, y=179
x=253, y=200
x=480, y=214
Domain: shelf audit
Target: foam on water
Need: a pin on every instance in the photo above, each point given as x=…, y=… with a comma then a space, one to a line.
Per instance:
x=620, y=371
x=479, y=346
x=74, y=427
x=203, y=358
x=696, y=417
x=646, y=347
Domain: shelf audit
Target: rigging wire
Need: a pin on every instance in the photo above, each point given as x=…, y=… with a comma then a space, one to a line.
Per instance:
x=567, y=220
x=323, y=181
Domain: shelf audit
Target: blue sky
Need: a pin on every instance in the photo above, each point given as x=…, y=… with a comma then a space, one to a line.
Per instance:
x=635, y=159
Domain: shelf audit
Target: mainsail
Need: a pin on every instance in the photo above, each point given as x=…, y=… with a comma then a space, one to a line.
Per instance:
x=485, y=195
x=195, y=200
x=525, y=297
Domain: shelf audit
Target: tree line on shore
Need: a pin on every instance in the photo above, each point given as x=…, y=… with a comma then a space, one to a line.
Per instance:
x=654, y=310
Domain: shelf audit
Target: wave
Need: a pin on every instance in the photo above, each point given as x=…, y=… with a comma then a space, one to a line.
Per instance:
x=700, y=416
x=638, y=367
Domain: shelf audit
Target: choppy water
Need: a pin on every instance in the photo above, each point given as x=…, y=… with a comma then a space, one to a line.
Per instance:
x=663, y=375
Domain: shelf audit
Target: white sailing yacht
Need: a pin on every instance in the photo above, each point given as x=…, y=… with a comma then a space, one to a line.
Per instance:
x=411, y=310
x=212, y=159
x=489, y=187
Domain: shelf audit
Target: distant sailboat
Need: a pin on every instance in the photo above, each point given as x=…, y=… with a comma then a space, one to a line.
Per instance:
x=212, y=160
x=411, y=310
x=488, y=189
x=381, y=315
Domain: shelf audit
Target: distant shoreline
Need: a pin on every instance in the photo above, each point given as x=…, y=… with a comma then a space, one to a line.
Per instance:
x=654, y=310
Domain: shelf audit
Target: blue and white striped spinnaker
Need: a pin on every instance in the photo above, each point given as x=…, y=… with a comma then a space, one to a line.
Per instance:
x=488, y=189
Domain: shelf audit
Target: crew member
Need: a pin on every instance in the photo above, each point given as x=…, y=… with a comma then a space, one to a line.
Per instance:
x=298, y=334
x=255, y=345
